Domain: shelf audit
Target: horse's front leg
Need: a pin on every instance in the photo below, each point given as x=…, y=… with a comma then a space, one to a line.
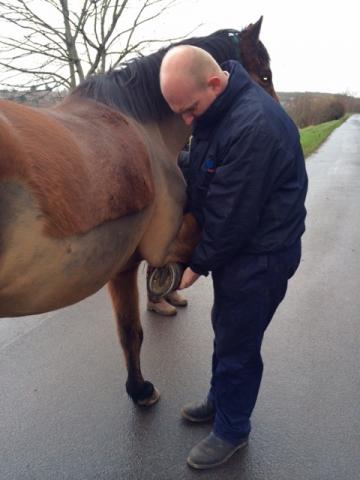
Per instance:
x=124, y=293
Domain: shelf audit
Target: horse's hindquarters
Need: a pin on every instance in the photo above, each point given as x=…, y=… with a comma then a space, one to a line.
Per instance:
x=39, y=273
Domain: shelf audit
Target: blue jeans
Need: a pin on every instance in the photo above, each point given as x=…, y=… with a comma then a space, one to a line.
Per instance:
x=247, y=292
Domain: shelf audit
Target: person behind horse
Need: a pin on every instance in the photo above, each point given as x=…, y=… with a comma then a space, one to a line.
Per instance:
x=167, y=305
x=247, y=185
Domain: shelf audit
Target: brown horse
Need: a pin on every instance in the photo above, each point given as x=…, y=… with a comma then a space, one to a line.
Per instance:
x=90, y=187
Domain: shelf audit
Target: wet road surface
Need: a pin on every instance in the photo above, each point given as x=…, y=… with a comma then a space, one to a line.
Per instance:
x=64, y=413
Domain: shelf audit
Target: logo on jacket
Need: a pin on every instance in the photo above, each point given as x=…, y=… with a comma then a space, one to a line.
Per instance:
x=209, y=165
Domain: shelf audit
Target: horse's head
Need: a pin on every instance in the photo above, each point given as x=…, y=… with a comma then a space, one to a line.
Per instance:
x=248, y=50
x=255, y=57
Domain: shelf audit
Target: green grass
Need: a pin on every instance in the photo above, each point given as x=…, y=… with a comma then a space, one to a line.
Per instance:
x=312, y=137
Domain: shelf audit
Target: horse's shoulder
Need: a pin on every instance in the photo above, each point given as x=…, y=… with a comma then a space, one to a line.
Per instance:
x=114, y=154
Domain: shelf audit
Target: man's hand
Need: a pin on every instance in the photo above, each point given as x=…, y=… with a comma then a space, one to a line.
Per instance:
x=189, y=277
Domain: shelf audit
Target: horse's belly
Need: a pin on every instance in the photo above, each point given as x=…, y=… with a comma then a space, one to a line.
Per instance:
x=40, y=273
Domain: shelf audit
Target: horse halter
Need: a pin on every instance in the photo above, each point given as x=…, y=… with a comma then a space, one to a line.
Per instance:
x=235, y=38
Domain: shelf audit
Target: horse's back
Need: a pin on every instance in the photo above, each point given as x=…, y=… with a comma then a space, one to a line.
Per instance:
x=84, y=163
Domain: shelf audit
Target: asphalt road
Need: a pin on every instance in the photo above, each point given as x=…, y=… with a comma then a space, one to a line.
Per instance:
x=64, y=413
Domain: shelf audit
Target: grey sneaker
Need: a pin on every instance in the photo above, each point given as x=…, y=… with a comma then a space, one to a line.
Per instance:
x=212, y=451
x=199, y=412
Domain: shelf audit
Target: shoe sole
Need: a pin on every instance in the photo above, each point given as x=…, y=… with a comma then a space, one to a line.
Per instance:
x=213, y=465
x=196, y=419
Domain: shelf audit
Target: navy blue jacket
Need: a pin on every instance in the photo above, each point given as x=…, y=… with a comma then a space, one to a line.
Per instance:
x=246, y=177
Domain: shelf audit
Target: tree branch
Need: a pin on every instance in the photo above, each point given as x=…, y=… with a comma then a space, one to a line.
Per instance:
x=88, y=34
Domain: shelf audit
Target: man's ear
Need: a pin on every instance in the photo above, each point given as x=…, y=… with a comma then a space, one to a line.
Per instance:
x=214, y=82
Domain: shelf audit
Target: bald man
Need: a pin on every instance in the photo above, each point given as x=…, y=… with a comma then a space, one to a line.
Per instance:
x=247, y=185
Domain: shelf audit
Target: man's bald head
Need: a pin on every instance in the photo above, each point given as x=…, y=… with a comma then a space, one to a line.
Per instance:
x=187, y=71
x=189, y=64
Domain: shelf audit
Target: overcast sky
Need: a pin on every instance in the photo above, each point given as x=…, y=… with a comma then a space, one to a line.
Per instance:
x=314, y=44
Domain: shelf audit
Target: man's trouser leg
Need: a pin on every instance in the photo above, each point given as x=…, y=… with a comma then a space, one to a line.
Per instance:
x=247, y=293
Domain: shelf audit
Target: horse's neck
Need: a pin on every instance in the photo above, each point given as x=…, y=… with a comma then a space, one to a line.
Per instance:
x=174, y=133
x=166, y=139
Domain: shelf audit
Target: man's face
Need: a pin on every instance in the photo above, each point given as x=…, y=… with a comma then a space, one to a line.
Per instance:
x=190, y=103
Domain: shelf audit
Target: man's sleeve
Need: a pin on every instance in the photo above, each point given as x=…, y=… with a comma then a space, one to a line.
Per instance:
x=234, y=201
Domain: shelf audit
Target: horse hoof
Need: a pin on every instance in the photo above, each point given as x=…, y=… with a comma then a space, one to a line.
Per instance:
x=147, y=402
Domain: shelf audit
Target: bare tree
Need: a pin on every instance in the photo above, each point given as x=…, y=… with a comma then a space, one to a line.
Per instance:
x=57, y=43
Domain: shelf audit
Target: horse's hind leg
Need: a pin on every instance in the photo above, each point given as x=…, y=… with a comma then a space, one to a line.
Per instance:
x=124, y=293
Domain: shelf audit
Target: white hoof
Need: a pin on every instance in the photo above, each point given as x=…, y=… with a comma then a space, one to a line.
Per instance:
x=147, y=402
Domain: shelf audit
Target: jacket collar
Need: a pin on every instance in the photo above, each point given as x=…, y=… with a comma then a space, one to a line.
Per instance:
x=238, y=80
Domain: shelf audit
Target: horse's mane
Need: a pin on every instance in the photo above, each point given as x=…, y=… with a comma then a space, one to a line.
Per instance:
x=134, y=87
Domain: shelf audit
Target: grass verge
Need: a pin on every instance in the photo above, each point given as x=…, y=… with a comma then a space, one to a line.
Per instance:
x=312, y=137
